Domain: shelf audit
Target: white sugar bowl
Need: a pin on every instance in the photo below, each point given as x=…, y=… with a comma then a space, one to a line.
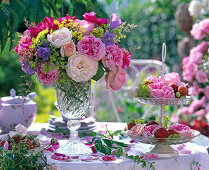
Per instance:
x=16, y=110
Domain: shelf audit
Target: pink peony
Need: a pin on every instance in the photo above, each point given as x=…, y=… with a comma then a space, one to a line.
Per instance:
x=206, y=91
x=91, y=47
x=115, y=79
x=137, y=130
x=153, y=79
x=126, y=58
x=49, y=77
x=113, y=58
x=172, y=78
x=161, y=90
x=149, y=131
x=88, y=26
x=181, y=129
x=201, y=76
x=196, y=57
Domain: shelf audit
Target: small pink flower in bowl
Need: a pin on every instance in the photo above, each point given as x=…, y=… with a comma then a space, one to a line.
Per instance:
x=181, y=129
x=148, y=131
x=172, y=78
x=137, y=130
x=153, y=79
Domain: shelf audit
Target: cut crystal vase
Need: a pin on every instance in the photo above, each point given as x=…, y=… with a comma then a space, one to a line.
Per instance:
x=73, y=99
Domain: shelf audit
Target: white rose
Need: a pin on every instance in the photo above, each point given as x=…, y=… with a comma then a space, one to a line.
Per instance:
x=67, y=49
x=195, y=8
x=81, y=68
x=60, y=37
x=21, y=130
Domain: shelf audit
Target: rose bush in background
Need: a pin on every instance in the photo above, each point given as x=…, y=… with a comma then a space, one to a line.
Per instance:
x=196, y=73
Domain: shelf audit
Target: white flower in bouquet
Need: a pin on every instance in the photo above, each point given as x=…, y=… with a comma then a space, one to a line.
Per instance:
x=195, y=8
x=81, y=68
x=60, y=37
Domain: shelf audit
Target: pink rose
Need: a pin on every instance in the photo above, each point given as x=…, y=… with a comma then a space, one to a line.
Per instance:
x=21, y=130
x=137, y=130
x=47, y=78
x=113, y=58
x=206, y=91
x=81, y=68
x=68, y=49
x=115, y=79
x=150, y=130
x=172, y=78
x=91, y=47
x=181, y=129
x=60, y=37
x=201, y=76
x=88, y=26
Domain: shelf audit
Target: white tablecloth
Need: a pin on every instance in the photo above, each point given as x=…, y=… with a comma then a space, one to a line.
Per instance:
x=182, y=162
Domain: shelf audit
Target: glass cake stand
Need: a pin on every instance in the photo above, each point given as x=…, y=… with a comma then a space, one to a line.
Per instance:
x=162, y=145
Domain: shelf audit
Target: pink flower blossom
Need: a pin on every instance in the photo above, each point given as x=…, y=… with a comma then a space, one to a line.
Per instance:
x=181, y=147
x=126, y=58
x=201, y=76
x=200, y=112
x=206, y=91
x=195, y=89
x=88, y=26
x=47, y=78
x=185, y=110
x=115, y=79
x=91, y=17
x=161, y=90
x=109, y=158
x=207, y=107
x=153, y=79
x=113, y=58
x=172, y=78
x=149, y=156
x=91, y=47
x=6, y=146
x=137, y=130
x=181, y=129
x=174, y=118
x=189, y=71
x=196, y=104
x=201, y=29
x=149, y=131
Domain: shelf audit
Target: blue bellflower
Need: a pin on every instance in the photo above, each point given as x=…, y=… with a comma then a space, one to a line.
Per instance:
x=108, y=39
x=115, y=21
x=43, y=52
x=26, y=67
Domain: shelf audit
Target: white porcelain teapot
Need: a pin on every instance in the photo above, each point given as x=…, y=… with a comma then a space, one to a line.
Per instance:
x=16, y=110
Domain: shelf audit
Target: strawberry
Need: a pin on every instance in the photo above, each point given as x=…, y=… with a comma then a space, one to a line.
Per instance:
x=152, y=122
x=171, y=131
x=161, y=133
x=174, y=86
x=183, y=90
x=131, y=124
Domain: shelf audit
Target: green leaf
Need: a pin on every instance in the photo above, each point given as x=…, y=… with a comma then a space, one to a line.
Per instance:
x=120, y=144
x=119, y=152
x=108, y=142
x=108, y=150
x=100, y=73
x=3, y=29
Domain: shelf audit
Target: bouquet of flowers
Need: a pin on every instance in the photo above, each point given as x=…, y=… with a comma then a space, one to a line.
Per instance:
x=153, y=87
x=80, y=49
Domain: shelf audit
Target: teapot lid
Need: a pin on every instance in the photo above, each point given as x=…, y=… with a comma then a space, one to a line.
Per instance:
x=13, y=99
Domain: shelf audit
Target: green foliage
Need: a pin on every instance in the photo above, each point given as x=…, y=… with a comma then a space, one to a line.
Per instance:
x=20, y=157
x=100, y=73
x=143, y=90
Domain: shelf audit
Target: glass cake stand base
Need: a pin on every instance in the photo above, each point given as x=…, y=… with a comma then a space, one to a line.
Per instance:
x=163, y=151
x=74, y=148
